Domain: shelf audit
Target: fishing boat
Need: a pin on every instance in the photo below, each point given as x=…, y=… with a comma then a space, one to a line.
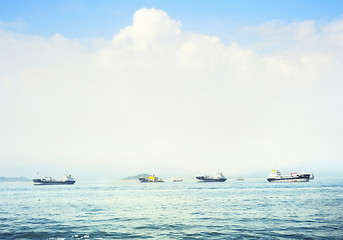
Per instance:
x=67, y=179
x=151, y=178
x=275, y=176
x=219, y=177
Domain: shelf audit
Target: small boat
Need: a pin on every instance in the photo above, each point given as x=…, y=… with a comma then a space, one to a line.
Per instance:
x=219, y=177
x=240, y=179
x=178, y=179
x=67, y=179
x=275, y=176
x=151, y=178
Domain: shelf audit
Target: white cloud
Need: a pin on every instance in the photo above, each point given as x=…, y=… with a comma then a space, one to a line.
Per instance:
x=150, y=28
x=157, y=98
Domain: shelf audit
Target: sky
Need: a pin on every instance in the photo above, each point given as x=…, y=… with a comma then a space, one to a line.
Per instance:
x=109, y=89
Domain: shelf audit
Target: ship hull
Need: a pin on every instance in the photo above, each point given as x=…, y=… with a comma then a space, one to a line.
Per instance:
x=144, y=180
x=290, y=179
x=202, y=179
x=40, y=182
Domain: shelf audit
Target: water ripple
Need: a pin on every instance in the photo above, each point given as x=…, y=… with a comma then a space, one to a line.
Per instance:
x=252, y=210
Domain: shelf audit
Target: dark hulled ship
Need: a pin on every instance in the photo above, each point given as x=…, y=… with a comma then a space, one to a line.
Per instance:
x=219, y=177
x=275, y=176
x=67, y=179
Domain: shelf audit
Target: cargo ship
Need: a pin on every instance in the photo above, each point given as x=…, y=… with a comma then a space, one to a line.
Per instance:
x=219, y=177
x=67, y=179
x=275, y=176
x=151, y=178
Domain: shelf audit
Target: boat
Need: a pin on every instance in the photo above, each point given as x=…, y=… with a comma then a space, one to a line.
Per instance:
x=275, y=176
x=240, y=179
x=67, y=179
x=178, y=179
x=151, y=178
x=219, y=177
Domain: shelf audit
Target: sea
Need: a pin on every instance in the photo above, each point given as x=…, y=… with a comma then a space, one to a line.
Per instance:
x=249, y=209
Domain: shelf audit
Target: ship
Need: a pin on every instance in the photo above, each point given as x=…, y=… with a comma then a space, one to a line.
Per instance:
x=67, y=179
x=178, y=179
x=219, y=177
x=275, y=176
x=151, y=178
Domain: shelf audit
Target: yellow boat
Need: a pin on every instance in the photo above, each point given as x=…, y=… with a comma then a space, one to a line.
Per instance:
x=151, y=178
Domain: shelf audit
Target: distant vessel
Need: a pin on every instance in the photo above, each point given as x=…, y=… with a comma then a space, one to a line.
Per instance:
x=275, y=176
x=151, y=178
x=240, y=179
x=178, y=179
x=219, y=177
x=67, y=179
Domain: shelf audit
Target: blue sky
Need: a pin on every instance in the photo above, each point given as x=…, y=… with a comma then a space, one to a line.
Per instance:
x=84, y=19
x=175, y=88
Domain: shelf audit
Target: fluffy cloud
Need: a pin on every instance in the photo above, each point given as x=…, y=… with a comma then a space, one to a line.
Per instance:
x=149, y=28
x=157, y=98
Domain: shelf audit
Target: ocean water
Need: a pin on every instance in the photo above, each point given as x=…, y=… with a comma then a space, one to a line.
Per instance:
x=250, y=209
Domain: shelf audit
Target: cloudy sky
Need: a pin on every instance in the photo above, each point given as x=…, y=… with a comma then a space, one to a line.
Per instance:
x=118, y=88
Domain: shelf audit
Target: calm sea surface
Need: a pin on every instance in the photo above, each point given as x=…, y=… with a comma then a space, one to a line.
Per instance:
x=251, y=209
